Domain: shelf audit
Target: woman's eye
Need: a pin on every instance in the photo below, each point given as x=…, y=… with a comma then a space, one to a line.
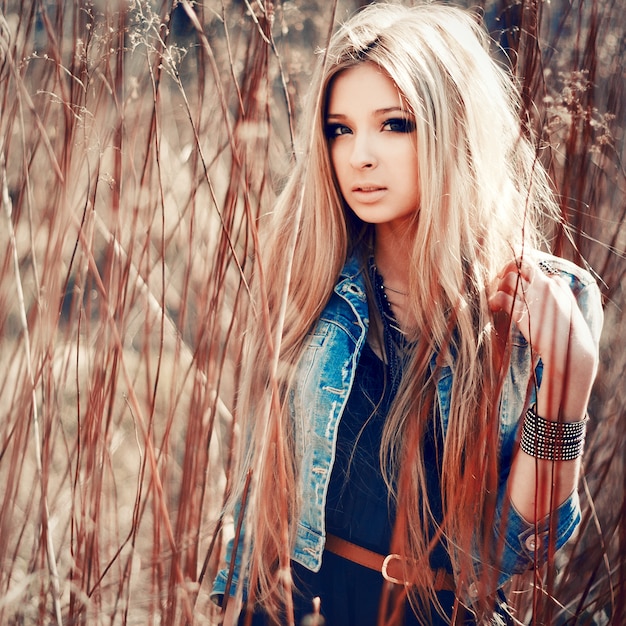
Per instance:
x=334, y=130
x=399, y=125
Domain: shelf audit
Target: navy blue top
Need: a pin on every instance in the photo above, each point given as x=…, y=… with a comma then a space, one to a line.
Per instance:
x=358, y=507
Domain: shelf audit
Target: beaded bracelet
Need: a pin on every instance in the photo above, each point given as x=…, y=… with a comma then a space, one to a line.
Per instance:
x=551, y=440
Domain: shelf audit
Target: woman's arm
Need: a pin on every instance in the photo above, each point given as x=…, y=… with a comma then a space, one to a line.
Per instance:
x=545, y=310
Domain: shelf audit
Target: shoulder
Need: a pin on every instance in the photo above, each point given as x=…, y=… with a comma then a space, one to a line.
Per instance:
x=347, y=306
x=583, y=285
x=578, y=277
x=353, y=269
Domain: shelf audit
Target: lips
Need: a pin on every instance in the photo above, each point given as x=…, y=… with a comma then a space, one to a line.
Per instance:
x=368, y=193
x=367, y=188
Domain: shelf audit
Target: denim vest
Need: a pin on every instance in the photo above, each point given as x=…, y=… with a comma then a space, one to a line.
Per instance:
x=325, y=375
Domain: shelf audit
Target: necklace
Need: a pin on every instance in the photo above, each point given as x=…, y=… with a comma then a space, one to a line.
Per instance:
x=384, y=305
x=394, y=341
x=381, y=282
x=401, y=293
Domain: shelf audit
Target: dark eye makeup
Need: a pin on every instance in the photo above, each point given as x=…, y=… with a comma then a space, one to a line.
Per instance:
x=399, y=125
x=394, y=125
x=334, y=130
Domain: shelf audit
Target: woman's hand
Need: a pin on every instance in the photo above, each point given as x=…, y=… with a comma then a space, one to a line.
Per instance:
x=542, y=306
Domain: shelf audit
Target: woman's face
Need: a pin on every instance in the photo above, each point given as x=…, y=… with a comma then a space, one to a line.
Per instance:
x=373, y=146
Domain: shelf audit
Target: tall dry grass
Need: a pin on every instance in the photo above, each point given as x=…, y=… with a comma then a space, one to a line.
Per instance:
x=139, y=142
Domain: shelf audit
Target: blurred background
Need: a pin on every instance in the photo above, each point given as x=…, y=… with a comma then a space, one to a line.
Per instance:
x=139, y=143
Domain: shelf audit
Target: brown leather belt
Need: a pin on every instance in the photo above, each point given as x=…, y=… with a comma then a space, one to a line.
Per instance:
x=389, y=566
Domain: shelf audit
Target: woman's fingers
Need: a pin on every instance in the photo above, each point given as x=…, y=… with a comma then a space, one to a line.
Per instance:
x=539, y=303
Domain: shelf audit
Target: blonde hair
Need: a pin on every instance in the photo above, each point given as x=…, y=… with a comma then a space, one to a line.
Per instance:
x=482, y=194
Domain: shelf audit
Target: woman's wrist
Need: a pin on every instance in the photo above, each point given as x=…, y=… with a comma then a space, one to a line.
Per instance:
x=565, y=399
x=561, y=410
x=552, y=440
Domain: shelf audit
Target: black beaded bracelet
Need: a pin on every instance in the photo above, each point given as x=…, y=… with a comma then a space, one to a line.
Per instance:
x=551, y=440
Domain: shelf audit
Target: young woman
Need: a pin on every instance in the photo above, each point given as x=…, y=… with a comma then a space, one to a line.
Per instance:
x=410, y=335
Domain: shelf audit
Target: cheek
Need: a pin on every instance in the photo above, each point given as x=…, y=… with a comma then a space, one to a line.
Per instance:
x=409, y=169
x=337, y=162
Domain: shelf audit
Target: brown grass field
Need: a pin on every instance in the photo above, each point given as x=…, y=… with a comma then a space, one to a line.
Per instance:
x=139, y=142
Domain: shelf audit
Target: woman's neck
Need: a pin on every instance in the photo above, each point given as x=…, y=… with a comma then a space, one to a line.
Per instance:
x=391, y=255
x=392, y=259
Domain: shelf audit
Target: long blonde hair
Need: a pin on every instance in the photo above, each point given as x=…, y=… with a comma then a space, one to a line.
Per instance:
x=482, y=194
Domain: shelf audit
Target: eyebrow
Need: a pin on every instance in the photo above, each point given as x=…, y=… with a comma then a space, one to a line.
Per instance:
x=382, y=111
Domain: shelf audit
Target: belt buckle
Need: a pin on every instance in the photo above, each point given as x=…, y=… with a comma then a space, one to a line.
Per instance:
x=385, y=573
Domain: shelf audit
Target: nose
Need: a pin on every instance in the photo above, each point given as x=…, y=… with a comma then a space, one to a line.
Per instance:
x=363, y=154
